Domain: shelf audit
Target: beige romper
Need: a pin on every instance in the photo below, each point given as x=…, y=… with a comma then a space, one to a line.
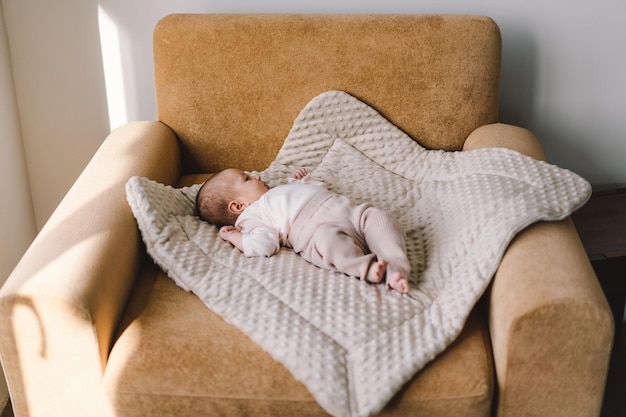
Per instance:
x=334, y=233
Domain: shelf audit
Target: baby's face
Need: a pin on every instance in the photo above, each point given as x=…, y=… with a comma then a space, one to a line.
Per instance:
x=248, y=188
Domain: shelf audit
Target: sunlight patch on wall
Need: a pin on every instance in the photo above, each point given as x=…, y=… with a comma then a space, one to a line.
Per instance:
x=113, y=70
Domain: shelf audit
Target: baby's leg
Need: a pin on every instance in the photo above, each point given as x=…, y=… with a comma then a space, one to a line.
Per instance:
x=332, y=248
x=385, y=238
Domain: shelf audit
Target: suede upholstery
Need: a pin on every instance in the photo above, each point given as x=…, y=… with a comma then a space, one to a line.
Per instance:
x=90, y=327
x=232, y=103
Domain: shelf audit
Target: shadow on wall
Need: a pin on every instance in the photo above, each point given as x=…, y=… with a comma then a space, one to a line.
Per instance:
x=517, y=80
x=129, y=55
x=562, y=143
x=518, y=98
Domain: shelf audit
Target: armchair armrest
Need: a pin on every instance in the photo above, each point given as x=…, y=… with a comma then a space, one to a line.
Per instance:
x=505, y=136
x=60, y=306
x=550, y=324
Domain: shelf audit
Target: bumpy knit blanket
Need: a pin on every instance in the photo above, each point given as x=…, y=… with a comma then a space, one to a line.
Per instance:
x=353, y=344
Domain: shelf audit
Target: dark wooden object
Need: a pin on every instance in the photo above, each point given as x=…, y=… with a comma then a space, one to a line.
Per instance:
x=601, y=224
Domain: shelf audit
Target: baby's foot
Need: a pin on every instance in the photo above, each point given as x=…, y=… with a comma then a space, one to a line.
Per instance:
x=398, y=282
x=377, y=272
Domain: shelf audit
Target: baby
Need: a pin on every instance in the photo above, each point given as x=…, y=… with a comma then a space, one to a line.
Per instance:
x=325, y=228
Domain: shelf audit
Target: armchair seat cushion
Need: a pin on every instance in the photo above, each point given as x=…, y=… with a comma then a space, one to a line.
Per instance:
x=176, y=357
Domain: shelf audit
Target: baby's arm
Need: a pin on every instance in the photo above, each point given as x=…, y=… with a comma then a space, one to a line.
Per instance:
x=261, y=241
x=232, y=234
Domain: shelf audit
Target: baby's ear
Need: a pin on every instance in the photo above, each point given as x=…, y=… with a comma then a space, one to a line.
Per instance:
x=236, y=207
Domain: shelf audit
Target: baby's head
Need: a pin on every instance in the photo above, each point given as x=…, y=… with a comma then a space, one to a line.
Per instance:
x=224, y=196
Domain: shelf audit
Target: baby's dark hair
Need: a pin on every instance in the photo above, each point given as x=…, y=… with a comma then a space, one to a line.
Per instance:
x=212, y=202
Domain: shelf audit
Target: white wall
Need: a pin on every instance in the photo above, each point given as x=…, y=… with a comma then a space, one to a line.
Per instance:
x=17, y=223
x=57, y=69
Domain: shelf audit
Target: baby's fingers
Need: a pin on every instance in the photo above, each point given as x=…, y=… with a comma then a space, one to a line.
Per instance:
x=224, y=230
x=300, y=173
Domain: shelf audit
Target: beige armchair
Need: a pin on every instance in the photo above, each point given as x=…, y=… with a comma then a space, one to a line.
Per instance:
x=90, y=327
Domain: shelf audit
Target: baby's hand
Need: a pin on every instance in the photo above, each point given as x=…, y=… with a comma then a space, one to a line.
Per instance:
x=300, y=173
x=227, y=232
x=232, y=234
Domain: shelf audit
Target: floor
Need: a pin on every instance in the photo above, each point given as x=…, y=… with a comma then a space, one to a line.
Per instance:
x=7, y=411
x=615, y=396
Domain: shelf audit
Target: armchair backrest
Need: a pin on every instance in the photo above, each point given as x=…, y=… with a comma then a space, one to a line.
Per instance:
x=230, y=86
